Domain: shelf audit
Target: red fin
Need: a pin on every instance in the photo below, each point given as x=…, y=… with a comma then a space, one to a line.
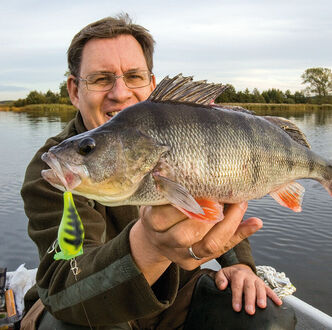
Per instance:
x=213, y=211
x=290, y=196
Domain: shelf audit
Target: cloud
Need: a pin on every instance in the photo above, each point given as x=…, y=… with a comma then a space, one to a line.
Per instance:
x=9, y=88
x=258, y=43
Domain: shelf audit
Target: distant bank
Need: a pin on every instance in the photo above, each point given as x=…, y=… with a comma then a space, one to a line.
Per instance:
x=258, y=108
x=37, y=107
x=279, y=108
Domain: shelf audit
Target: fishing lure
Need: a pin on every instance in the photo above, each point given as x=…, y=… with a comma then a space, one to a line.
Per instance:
x=71, y=231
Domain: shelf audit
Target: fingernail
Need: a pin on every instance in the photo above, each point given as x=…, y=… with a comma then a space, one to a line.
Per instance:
x=250, y=309
x=237, y=307
x=220, y=282
x=261, y=303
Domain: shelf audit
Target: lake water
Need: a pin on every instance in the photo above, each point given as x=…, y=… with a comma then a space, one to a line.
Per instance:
x=299, y=244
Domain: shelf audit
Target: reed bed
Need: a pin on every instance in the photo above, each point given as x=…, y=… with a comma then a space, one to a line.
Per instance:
x=270, y=109
x=38, y=107
x=258, y=108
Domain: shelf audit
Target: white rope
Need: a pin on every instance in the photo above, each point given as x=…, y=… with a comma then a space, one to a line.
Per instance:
x=278, y=282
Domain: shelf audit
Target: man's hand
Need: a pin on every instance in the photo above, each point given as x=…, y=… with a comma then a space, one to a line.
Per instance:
x=244, y=281
x=163, y=235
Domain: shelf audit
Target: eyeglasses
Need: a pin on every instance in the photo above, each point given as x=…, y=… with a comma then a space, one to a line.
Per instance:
x=103, y=82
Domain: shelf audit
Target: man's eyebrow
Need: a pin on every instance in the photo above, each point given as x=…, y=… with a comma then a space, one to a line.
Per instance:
x=133, y=70
x=101, y=72
x=109, y=72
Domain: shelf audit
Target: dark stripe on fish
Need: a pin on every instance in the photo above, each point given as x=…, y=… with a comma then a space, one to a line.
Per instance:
x=76, y=230
x=255, y=162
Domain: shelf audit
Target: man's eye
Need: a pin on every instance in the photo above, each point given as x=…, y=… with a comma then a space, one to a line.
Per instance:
x=135, y=76
x=100, y=80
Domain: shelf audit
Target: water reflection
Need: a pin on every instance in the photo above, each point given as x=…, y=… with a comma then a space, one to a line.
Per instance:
x=37, y=115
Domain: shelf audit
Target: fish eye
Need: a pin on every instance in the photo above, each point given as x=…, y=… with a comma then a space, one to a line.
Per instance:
x=86, y=146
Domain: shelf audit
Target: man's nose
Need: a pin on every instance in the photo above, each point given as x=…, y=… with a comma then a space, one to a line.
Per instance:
x=120, y=92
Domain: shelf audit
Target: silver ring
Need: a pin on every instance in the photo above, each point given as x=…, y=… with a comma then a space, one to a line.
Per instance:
x=192, y=254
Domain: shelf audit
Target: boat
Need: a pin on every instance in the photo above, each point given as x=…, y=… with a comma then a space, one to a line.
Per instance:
x=308, y=317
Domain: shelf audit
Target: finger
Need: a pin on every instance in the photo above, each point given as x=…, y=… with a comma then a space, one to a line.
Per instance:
x=221, y=280
x=237, y=292
x=160, y=218
x=185, y=234
x=218, y=239
x=247, y=228
x=249, y=290
x=273, y=296
x=261, y=294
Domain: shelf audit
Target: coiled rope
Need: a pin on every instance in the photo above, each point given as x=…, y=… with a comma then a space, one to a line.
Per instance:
x=278, y=282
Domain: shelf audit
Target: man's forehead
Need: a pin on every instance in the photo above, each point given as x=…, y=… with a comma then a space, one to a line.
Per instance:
x=122, y=53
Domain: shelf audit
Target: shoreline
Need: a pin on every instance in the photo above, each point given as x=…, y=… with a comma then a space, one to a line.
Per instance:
x=258, y=108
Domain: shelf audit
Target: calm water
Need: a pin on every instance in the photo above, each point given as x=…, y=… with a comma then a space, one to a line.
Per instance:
x=300, y=244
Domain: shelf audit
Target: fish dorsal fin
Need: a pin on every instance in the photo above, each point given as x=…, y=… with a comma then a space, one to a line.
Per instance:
x=290, y=128
x=185, y=90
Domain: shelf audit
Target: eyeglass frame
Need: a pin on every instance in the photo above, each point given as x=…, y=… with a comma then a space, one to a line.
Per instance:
x=79, y=78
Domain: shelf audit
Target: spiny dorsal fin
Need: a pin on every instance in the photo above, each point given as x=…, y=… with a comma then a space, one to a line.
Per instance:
x=290, y=128
x=185, y=90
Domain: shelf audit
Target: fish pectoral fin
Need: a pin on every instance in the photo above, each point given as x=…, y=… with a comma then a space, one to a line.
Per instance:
x=213, y=211
x=290, y=196
x=177, y=195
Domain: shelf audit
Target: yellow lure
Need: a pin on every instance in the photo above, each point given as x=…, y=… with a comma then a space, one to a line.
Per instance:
x=71, y=231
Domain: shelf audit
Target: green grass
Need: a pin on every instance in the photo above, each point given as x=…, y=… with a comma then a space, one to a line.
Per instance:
x=258, y=108
x=38, y=107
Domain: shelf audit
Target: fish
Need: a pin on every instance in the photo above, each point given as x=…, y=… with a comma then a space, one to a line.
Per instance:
x=178, y=147
x=71, y=231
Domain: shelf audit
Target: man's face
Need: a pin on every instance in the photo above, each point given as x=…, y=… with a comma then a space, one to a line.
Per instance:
x=117, y=55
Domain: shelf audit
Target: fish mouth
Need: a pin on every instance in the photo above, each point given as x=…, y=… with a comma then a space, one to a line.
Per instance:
x=62, y=175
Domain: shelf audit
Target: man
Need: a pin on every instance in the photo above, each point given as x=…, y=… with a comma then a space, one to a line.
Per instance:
x=133, y=273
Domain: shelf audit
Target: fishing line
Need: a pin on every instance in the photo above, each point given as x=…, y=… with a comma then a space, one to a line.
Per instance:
x=75, y=270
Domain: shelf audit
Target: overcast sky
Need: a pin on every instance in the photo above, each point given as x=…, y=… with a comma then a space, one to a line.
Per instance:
x=262, y=44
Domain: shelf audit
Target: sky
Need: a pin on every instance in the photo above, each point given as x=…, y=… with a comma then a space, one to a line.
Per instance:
x=249, y=44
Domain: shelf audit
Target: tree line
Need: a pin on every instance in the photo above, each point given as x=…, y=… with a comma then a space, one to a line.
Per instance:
x=49, y=97
x=317, y=91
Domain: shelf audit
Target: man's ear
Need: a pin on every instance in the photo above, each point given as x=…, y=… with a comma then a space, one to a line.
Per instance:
x=153, y=82
x=73, y=90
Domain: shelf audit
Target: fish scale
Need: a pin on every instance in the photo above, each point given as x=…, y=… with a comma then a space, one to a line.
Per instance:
x=218, y=178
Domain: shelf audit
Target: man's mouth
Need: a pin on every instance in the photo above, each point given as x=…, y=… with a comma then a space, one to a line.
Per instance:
x=62, y=175
x=112, y=113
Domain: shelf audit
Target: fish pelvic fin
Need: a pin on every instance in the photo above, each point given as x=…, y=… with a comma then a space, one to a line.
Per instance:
x=182, y=89
x=213, y=211
x=290, y=195
x=200, y=209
